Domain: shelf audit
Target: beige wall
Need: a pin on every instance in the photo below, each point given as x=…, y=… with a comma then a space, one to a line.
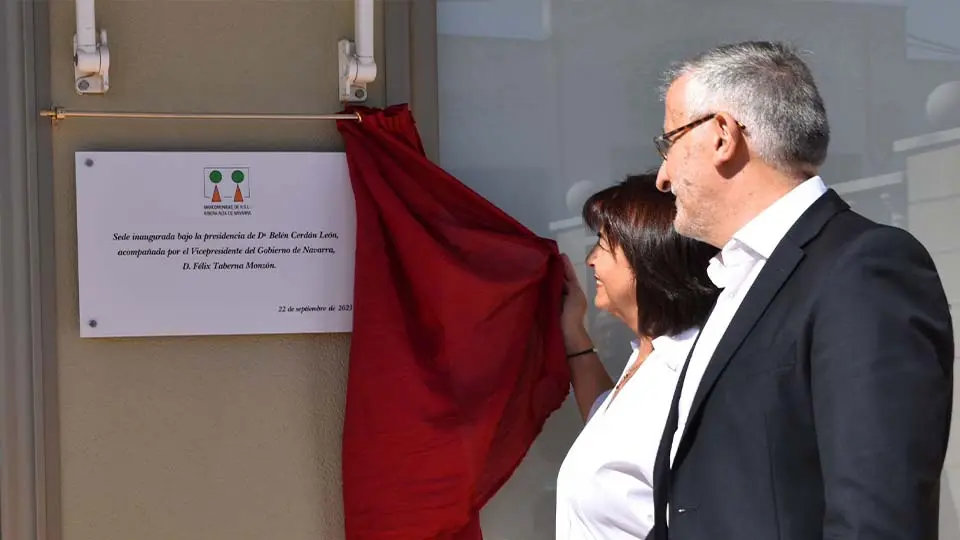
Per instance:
x=211, y=437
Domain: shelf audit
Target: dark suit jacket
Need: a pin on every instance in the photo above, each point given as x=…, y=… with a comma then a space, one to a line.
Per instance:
x=825, y=410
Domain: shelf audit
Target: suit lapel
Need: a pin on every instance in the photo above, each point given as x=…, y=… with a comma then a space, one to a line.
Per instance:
x=778, y=268
x=771, y=278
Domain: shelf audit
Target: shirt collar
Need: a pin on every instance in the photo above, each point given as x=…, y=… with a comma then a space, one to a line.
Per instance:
x=762, y=234
x=670, y=348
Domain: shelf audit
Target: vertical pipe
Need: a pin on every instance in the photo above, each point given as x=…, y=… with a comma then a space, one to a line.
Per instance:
x=363, y=21
x=86, y=25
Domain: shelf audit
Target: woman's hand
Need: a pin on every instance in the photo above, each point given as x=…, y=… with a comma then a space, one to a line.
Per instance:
x=574, y=311
x=587, y=374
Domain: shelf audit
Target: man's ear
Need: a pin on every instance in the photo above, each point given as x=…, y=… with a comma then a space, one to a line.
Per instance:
x=727, y=139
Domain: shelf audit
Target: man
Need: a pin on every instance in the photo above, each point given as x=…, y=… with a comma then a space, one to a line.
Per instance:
x=816, y=403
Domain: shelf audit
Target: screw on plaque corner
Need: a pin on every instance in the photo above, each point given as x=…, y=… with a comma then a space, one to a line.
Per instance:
x=92, y=323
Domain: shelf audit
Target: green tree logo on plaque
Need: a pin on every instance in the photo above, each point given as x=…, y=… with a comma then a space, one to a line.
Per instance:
x=215, y=177
x=238, y=177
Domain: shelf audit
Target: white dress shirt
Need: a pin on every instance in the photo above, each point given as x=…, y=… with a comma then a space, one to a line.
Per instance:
x=605, y=484
x=734, y=270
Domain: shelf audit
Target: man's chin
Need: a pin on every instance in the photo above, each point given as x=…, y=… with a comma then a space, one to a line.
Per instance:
x=685, y=228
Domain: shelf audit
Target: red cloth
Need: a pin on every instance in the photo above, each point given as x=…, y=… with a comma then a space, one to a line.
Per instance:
x=457, y=358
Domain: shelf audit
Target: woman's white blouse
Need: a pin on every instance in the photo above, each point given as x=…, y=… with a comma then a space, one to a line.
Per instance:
x=605, y=484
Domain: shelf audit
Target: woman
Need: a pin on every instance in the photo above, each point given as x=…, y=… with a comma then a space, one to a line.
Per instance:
x=655, y=281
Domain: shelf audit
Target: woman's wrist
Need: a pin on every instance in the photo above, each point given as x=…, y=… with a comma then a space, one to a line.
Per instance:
x=577, y=340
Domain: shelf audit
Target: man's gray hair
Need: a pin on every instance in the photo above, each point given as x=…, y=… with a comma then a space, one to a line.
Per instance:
x=769, y=89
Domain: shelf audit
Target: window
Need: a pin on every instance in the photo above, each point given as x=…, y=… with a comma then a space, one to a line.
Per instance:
x=542, y=102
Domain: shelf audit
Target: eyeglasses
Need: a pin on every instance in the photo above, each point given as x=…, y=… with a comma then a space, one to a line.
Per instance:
x=665, y=141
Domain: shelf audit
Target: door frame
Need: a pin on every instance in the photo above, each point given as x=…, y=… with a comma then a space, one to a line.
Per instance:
x=29, y=430
x=410, y=45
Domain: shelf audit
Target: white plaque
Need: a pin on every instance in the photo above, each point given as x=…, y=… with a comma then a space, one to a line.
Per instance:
x=195, y=243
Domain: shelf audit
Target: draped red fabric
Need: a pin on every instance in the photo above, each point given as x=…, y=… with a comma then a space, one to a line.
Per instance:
x=456, y=358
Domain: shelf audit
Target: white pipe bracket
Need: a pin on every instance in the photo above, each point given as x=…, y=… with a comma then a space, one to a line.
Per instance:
x=355, y=58
x=91, y=56
x=355, y=73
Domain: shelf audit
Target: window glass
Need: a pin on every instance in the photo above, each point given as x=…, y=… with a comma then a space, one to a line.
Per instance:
x=543, y=102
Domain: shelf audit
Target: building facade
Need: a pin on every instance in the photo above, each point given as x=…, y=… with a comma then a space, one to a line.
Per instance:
x=532, y=103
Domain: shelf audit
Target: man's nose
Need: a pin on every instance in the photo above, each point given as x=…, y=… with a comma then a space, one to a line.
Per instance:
x=663, y=183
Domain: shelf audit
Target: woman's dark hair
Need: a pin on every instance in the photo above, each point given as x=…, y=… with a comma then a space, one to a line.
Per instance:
x=673, y=291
